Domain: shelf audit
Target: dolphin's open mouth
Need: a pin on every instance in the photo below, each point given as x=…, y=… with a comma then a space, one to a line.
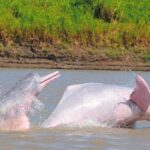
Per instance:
x=46, y=79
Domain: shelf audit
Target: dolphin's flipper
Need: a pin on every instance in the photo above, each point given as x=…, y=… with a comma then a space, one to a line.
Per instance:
x=141, y=94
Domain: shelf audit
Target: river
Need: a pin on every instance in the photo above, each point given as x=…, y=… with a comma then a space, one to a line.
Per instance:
x=90, y=138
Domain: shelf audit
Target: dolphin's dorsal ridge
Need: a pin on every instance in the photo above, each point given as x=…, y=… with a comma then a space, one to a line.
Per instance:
x=141, y=83
x=141, y=93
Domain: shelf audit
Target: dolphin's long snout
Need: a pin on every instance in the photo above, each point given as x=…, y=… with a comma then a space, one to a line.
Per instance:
x=48, y=78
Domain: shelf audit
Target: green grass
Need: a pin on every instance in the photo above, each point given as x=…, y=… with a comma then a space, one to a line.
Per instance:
x=96, y=23
x=146, y=57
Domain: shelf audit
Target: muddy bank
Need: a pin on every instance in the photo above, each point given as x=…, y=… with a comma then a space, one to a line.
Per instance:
x=99, y=65
x=71, y=58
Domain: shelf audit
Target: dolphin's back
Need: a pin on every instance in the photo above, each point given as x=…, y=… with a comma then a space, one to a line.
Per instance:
x=89, y=101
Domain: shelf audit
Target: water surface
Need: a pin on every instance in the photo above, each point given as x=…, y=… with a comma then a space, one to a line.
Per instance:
x=90, y=138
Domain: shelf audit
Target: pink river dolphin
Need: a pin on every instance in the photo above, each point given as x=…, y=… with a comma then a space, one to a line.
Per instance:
x=102, y=105
x=17, y=102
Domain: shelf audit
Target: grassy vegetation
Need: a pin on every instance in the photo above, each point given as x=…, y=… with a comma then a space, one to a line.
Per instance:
x=114, y=24
x=146, y=57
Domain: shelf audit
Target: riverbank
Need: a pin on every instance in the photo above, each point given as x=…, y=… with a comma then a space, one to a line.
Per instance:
x=101, y=65
x=115, y=25
x=76, y=34
x=78, y=58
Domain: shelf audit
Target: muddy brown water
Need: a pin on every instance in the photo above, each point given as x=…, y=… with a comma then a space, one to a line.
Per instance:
x=63, y=138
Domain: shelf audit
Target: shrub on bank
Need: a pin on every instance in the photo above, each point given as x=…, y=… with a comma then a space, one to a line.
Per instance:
x=96, y=23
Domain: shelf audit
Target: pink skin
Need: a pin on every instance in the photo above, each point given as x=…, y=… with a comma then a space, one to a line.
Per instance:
x=21, y=122
x=141, y=96
x=100, y=103
x=97, y=103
